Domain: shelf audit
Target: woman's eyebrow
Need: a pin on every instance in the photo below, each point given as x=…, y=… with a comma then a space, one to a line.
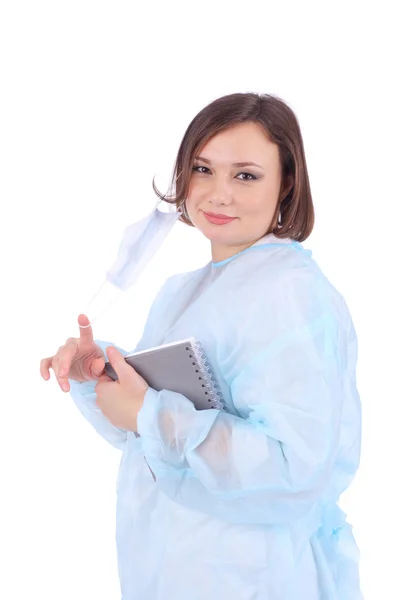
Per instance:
x=238, y=164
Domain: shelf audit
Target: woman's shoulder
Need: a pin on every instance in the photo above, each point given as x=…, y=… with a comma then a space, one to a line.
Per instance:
x=274, y=266
x=288, y=278
x=175, y=283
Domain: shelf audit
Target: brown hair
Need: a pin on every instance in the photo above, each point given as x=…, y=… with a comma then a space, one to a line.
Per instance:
x=281, y=126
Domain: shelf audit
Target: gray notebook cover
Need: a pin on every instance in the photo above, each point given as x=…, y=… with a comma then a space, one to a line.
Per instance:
x=179, y=367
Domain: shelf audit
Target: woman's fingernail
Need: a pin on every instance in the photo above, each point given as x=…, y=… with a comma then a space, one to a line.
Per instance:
x=65, y=387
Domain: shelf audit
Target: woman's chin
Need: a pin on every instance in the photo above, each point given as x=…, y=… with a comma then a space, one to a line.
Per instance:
x=216, y=232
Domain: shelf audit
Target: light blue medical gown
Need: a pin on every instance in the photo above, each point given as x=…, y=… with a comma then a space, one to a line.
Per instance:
x=244, y=502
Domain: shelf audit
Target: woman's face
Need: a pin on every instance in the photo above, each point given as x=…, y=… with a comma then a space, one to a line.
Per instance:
x=237, y=175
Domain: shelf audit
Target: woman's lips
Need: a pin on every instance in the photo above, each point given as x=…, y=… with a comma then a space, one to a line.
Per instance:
x=218, y=219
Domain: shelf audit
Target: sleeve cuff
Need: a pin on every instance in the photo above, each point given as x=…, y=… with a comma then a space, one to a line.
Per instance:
x=147, y=413
x=170, y=427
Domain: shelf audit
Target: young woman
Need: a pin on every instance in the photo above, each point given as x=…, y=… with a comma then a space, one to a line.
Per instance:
x=238, y=504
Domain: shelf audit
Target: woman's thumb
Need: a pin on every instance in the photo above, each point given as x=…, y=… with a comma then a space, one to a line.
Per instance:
x=97, y=367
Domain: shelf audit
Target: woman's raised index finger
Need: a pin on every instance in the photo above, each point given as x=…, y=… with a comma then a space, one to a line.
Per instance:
x=85, y=329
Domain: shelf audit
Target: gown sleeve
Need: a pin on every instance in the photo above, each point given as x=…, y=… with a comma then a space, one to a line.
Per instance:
x=84, y=396
x=273, y=464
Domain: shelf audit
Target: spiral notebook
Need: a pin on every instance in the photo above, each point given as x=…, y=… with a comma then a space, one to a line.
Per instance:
x=180, y=367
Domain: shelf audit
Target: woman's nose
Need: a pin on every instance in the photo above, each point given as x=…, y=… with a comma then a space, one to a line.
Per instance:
x=220, y=191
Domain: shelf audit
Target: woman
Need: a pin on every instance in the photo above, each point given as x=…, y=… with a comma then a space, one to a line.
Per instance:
x=242, y=504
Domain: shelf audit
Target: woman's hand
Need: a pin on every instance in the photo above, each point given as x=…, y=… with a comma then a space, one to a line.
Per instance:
x=121, y=400
x=79, y=359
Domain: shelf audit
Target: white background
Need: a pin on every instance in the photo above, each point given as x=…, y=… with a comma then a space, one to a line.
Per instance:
x=95, y=97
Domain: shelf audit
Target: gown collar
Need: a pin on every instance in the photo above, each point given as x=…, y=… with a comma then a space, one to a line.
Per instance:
x=267, y=240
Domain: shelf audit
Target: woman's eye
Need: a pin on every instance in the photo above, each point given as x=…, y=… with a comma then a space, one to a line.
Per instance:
x=241, y=176
x=198, y=169
x=246, y=176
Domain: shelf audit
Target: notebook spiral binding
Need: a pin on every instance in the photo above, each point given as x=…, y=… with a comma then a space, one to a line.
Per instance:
x=211, y=387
